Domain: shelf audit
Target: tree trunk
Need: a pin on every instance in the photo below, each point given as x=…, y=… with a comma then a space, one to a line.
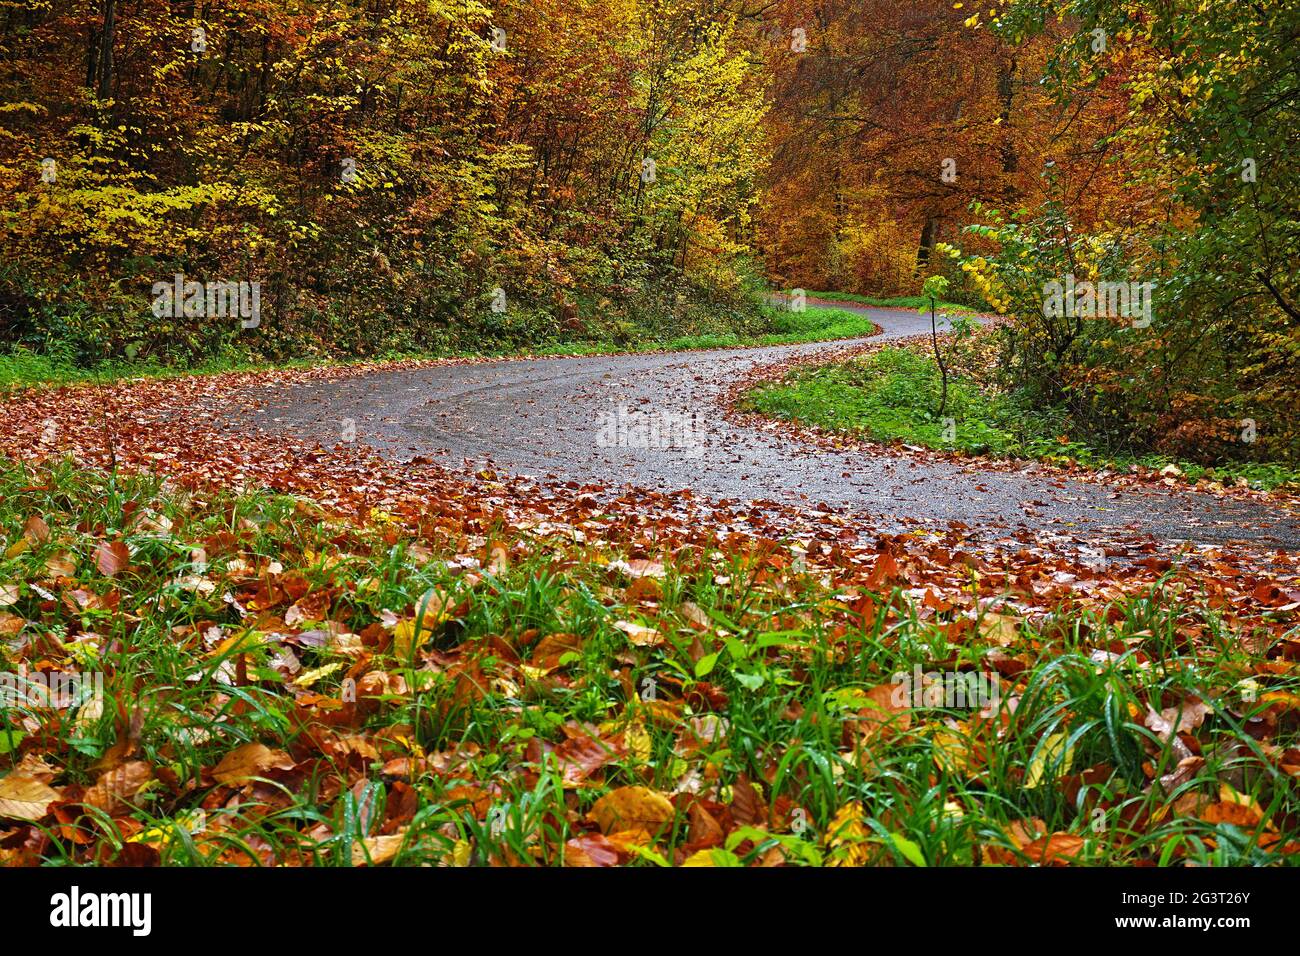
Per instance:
x=929, y=235
x=92, y=58
x=1006, y=92
x=106, y=50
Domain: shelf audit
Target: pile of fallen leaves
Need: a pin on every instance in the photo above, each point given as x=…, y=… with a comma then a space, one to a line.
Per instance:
x=440, y=684
x=315, y=656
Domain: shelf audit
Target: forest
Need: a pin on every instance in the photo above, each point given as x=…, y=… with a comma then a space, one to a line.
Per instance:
x=436, y=177
x=649, y=433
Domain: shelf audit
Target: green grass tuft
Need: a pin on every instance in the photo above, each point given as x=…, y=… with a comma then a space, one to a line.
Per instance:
x=451, y=755
x=893, y=395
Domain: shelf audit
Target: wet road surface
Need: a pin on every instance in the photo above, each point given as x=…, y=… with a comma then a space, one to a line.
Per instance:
x=590, y=420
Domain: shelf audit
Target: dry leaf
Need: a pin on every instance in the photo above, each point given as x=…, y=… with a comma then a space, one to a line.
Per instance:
x=592, y=849
x=111, y=557
x=115, y=789
x=36, y=530
x=248, y=761
x=639, y=634
x=23, y=797
x=1057, y=848
x=375, y=850
x=629, y=808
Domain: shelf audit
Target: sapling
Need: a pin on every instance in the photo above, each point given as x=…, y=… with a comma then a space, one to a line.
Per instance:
x=935, y=289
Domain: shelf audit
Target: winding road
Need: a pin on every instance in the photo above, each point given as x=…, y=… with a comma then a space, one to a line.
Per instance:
x=554, y=418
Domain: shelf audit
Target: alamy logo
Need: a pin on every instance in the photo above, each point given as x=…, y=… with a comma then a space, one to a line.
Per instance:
x=650, y=429
x=950, y=690
x=74, y=909
x=58, y=690
x=1087, y=300
x=188, y=299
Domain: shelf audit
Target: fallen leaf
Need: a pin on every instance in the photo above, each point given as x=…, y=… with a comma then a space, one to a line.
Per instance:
x=579, y=757
x=375, y=850
x=111, y=557
x=36, y=530
x=115, y=789
x=1052, y=755
x=1056, y=848
x=551, y=648
x=431, y=611
x=1000, y=629
x=592, y=849
x=23, y=797
x=250, y=760
x=639, y=634
x=631, y=808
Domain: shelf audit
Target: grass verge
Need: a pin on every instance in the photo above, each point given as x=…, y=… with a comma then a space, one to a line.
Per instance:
x=21, y=368
x=283, y=688
x=893, y=394
x=914, y=302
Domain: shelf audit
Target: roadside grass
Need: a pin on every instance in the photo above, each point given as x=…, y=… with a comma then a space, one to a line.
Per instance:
x=284, y=688
x=892, y=395
x=781, y=327
x=916, y=302
x=21, y=368
x=815, y=324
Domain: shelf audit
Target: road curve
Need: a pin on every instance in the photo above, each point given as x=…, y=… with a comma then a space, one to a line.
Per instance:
x=551, y=418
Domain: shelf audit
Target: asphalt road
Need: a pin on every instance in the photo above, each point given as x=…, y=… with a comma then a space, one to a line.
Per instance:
x=560, y=418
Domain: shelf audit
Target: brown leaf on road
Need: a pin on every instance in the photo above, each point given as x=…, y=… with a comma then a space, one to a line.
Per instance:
x=248, y=761
x=884, y=573
x=1027, y=577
